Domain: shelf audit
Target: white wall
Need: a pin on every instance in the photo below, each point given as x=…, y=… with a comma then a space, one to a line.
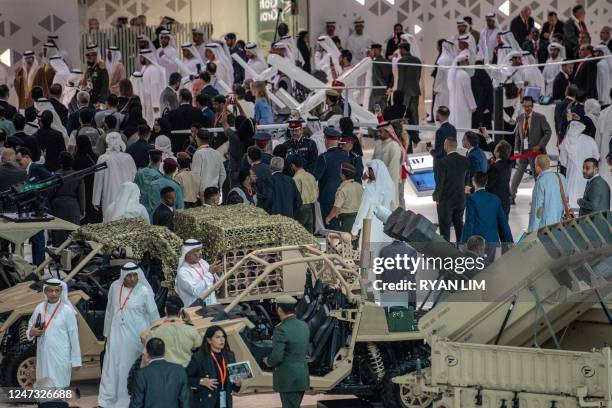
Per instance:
x=226, y=15
x=25, y=25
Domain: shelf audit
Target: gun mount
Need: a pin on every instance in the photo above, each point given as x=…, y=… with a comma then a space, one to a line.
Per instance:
x=29, y=198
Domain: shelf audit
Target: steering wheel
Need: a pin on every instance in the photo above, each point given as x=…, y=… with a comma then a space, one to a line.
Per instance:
x=103, y=291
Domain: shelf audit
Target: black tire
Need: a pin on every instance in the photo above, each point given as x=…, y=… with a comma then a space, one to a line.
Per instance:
x=12, y=361
x=391, y=393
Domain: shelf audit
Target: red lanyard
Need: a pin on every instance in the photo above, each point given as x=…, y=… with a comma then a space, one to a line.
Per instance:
x=222, y=373
x=122, y=306
x=52, y=314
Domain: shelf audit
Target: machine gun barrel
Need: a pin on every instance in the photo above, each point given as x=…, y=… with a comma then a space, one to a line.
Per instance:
x=29, y=197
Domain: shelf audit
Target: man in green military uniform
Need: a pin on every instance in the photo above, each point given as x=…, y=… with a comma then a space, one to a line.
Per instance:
x=288, y=357
x=180, y=338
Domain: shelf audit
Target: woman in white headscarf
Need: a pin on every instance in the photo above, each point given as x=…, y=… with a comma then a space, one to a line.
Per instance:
x=57, y=349
x=62, y=72
x=575, y=148
x=225, y=71
x=120, y=169
x=379, y=190
x=441, y=89
x=115, y=68
x=592, y=109
x=127, y=205
x=164, y=145
x=130, y=310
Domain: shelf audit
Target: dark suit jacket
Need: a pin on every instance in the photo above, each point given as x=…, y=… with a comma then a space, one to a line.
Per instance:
x=560, y=84
x=38, y=172
x=9, y=176
x=519, y=29
x=202, y=366
x=408, y=77
x=498, y=183
x=30, y=114
x=164, y=216
x=445, y=131
x=139, y=151
x=30, y=142
x=539, y=132
x=453, y=176
x=596, y=197
x=586, y=78
x=485, y=216
x=9, y=110
x=73, y=119
x=210, y=91
x=570, y=38
x=478, y=161
x=280, y=195
x=557, y=29
x=181, y=119
x=160, y=384
x=61, y=110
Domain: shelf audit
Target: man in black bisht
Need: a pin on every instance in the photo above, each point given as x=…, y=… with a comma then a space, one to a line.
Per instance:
x=482, y=88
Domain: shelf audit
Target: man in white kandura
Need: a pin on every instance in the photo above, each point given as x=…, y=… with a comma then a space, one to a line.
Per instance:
x=131, y=309
x=461, y=98
x=167, y=53
x=195, y=275
x=153, y=83
x=54, y=324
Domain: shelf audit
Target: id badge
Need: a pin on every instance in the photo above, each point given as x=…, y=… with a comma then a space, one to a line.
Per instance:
x=222, y=399
x=525, y=144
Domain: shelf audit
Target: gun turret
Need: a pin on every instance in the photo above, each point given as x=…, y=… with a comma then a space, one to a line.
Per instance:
x=28, y=198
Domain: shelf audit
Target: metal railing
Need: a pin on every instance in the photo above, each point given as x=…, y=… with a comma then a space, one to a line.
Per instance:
x=125, y=39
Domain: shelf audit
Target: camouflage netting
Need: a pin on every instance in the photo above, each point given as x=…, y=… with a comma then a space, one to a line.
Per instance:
x=139, y=237
x=232, y=227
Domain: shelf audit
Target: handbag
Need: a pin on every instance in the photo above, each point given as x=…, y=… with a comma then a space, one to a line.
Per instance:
x=568, y=213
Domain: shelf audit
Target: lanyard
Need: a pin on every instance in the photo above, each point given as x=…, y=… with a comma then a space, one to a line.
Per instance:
x=122, y=306
x=222, y=373
x=52, y=314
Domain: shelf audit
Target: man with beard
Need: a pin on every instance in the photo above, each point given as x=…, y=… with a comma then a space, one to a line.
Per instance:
x=96, y=77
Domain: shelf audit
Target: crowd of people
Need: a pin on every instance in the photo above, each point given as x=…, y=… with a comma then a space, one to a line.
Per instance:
x=183, y=132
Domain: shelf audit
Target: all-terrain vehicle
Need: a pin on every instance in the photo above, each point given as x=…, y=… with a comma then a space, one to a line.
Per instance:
x=89, y=267
x=356, y=346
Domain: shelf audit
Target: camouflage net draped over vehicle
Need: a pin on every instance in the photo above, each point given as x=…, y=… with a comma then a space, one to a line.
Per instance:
x=140, y=238
x=228, y=228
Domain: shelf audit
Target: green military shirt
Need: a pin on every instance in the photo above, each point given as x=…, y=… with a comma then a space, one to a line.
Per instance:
x=348, y=197
x=288, y=357
x=179, y=338
x=144, y=180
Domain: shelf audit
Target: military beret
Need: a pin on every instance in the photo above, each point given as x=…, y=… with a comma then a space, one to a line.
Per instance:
x=286, y=300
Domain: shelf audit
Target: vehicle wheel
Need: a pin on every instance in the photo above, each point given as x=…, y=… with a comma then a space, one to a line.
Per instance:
x=19, y=366
x=403, y=396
